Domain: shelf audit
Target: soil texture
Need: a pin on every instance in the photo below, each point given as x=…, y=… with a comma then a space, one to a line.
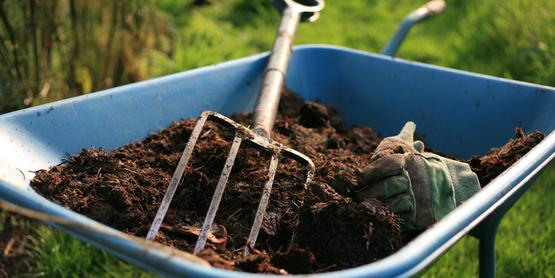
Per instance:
x=489, y=166
x=307, y=228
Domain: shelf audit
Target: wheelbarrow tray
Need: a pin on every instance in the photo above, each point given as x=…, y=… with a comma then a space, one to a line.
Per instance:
x=456, y=112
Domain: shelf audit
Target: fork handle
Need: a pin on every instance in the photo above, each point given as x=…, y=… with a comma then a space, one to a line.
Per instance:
x=274, y=75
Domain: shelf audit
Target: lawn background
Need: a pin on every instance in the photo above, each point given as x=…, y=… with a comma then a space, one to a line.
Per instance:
x=512, y=39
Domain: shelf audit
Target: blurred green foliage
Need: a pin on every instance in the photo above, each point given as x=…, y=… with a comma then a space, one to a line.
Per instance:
x=84, y=46
x=61, y=48
x=513, y=39
x=55, y=49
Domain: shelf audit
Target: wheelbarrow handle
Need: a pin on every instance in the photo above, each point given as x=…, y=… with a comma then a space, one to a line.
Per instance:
x=427, y=10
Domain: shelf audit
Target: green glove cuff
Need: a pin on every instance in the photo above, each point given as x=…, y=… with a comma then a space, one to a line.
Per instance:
x=466, y=182
x=441, y=186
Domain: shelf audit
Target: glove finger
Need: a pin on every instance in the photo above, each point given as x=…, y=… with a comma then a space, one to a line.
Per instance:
x=397, y=185
x=384, y=167
x=372, y=191
x=401, y=204
x=385, y=188
x=418, y=146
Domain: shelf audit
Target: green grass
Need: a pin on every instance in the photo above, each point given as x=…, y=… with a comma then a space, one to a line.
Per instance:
x=60, y=255
x=513, y=39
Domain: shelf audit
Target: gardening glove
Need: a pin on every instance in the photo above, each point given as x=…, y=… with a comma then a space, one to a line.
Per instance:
x=421, y=187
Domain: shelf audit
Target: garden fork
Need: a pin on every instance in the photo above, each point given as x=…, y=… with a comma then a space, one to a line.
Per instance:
x=264, y=116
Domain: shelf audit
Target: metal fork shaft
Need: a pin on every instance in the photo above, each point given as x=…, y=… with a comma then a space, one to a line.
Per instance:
x=218, y=193
x=274, y=76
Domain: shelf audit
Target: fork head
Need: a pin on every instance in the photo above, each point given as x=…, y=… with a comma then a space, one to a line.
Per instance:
x=260, y=140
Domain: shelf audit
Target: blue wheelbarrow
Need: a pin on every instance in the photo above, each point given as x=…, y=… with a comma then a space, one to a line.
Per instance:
x=459, y=112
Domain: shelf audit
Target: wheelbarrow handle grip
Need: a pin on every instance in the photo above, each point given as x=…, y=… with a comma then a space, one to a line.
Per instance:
x=430, y=9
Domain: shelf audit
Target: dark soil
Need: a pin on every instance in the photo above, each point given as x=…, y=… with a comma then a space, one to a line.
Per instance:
x=489, y=166
x=306, y=229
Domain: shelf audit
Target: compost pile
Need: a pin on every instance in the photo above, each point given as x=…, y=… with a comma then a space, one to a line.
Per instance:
x=489, y=166
x=305, y=230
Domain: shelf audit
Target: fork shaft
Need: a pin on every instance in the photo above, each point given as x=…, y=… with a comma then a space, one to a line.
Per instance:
x=274, y=76
x=218, y=193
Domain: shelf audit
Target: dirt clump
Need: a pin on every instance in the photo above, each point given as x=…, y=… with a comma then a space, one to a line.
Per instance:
x=342, y=233
x=296, y=260
x=489, y=166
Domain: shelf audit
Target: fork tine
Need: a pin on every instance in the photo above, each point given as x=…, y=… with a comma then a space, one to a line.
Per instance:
x=301, y=158
x=255, y=228
x=217, y=197
x=176, y=177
